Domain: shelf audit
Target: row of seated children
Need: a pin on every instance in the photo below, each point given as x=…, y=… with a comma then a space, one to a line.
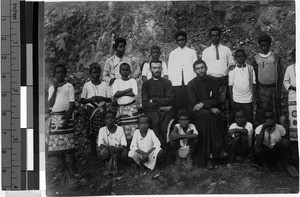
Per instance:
x=270, y=146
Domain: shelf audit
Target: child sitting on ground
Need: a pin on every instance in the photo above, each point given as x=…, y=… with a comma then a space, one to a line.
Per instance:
x=112, y=144
x=271, y=145
x=183, y=138
x=145, y=146
x=155, y=55
x=241, y=133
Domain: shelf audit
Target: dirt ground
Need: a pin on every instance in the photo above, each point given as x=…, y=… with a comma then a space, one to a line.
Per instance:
x=243, y=178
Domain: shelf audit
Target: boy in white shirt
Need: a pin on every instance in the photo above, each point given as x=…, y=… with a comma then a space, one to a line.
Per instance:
x=242, y=85
x=184, y=137
x=145, y=146
x=271, y=147
x=241, y=134
x=155, y=55
x=111, y=144
x=61, y=101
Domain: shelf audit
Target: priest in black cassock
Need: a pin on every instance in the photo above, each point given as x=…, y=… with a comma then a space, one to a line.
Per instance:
x=157, y=98
x=204, y=97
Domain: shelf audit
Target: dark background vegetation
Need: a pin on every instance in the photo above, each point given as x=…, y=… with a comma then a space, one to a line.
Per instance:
x=79, y=33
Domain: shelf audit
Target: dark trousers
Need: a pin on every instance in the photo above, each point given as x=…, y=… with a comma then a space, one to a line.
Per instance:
x=239, y=147
x=277, y=154
x=181, y=100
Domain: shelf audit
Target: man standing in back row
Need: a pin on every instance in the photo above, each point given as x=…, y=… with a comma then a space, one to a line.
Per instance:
x=180, y=70
x=218, y=58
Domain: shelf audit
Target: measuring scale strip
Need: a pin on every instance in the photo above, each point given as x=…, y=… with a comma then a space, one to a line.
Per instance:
x=10, y=93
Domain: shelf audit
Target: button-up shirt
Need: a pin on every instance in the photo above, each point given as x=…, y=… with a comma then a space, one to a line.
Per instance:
x=217, y=68
x=180, y=65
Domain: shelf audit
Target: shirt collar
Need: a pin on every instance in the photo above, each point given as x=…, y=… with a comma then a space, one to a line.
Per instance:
x=265, y=55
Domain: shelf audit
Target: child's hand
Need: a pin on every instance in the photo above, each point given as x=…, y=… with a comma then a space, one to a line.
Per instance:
x=215, y=111
x=190, y=132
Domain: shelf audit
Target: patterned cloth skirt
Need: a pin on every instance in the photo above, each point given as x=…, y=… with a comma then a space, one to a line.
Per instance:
x=61, y=140
x=293, y=120
x=127, y=117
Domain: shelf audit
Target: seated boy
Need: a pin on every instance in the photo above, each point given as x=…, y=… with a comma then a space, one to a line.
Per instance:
x=241, y=133
x=112, y=144
x=145, y=146
x=183, y=138
x=270, y=147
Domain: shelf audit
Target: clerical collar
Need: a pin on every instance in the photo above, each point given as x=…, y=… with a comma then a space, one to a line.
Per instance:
x=265, y=55
x=156, y=79
x=241, y=66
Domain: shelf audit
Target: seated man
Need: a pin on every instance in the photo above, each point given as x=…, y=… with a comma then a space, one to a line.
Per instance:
x=184, y=137
x=157, y=97
x=270, y=147
x=204, y=98
x=112, y=144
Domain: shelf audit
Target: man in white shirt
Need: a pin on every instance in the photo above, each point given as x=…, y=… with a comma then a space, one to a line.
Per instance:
x=218, y=58
x=180, y=70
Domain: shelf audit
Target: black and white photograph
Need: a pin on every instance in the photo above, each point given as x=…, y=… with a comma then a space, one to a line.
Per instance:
x=170, y=98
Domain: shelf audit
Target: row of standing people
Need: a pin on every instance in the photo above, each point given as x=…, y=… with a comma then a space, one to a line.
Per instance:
x=157, y=94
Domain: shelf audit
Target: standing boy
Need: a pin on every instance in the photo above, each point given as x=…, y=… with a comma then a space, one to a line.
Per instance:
x=180, y=70
x=155, y=55
x=268, y=71
x=61, y=136
x=242, y=85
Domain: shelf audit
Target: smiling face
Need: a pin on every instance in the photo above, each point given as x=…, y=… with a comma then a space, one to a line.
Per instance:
x=200, y=69
x=156, y=69
x=181, y=41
